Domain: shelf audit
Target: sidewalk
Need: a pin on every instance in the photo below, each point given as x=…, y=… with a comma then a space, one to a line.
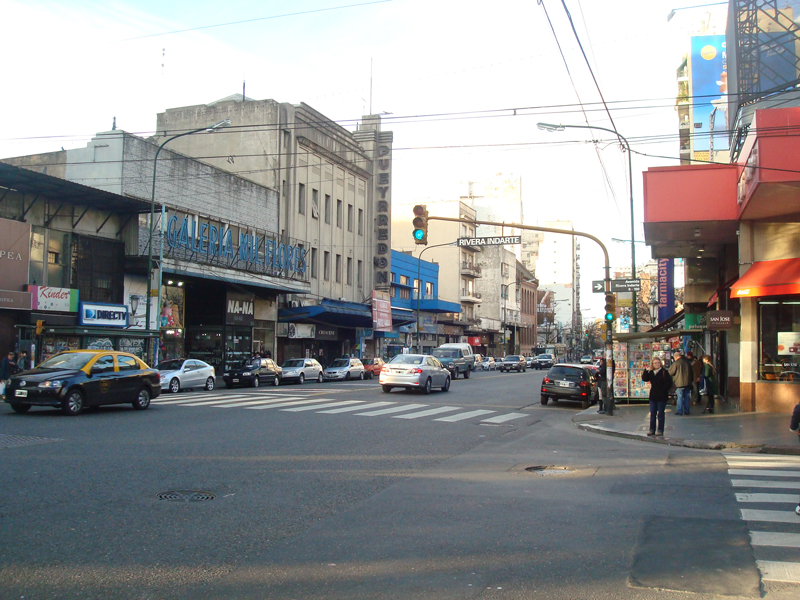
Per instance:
x=754, y=432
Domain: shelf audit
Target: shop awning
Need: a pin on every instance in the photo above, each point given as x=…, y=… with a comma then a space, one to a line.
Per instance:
x=341, y=313
x=769, y=278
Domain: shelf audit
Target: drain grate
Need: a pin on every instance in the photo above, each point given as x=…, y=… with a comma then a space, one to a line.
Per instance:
x=549, y=470
x=186, y=496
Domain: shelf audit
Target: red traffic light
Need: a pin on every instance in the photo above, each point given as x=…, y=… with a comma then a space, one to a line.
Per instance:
x=419, y=210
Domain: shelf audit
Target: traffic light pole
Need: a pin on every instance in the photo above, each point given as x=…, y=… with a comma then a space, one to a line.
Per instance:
x=607, y=280
x=419, y=283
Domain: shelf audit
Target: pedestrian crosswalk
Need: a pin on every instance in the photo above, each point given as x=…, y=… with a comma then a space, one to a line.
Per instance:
x=323, y=401
x=768, y=488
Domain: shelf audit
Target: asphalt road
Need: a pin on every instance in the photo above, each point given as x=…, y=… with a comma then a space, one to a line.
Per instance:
x=320, y=494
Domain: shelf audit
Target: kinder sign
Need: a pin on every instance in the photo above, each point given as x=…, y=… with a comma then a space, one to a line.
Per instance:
x=53, y=299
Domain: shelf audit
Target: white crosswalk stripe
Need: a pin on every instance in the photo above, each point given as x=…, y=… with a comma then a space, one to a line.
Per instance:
x=428, y=413
x=504, y=418
x=317, y=407
x=389, y=411
x=336, y=411
x=782, y=474
x=464, y=416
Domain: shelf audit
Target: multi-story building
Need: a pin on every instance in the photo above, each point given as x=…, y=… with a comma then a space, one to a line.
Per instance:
x=497, y=199
x=531, y=242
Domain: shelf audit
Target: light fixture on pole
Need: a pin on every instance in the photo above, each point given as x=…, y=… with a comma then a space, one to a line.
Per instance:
x=550, y=127
x=212, y=128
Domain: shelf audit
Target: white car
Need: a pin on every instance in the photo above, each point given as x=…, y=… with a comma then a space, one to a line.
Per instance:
x=488, y=364
x=183, y=374
x=302, y=370
x=344, y=369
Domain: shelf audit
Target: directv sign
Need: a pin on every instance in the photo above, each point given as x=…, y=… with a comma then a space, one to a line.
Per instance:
x=490, y=241
x=103, y=315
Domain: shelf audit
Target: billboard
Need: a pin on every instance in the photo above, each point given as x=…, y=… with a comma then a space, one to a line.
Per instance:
x=709, y=78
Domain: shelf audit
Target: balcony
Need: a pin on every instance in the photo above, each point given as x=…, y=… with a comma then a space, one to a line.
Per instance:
x=470, y=296
x=470, y=270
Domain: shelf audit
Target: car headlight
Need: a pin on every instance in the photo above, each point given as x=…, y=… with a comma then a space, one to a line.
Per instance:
x=226, y=374
x=246, y=374
x=53, y=383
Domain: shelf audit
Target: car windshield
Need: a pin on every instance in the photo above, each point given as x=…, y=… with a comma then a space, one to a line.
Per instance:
x=546, y=357
x=565, y=373
x=73, y=360
x=293, y=363
x=368, y=361
x=439, y=353
x=407, y=359
x=512, y=358
x=340, y=362
x=170, y=365
x=247, y=364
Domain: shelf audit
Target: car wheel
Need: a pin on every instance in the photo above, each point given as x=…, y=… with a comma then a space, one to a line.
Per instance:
x=302, y=379
x=209, y=384
x=446, y=386
x=466, y=374
x=585, y=404
x=361, y=376
x=524, y=369
x=427, y=389
x=319, y=377
x=371, y=375
x=386, y=388
x=20, y=408
x=142, y=399
x=543, y=399
x=174, y=386
x=73, y=403
x=347, y=376
x=455, y=374
x=256, y=381
x=277, y=381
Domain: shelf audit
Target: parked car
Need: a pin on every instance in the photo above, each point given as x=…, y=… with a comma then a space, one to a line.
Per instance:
x=569, y=382
x=453, y=359
x=586, y=359
x=253, y=372
x=76, y=379
x=184, y=374
x=415, y=372
x=301, y=370
x=373, y=366
x=544, y=361
x=513, y=362
x=344, y=368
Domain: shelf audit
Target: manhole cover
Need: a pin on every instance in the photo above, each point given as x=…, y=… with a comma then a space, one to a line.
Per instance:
x=549, y=470
x=186, y=496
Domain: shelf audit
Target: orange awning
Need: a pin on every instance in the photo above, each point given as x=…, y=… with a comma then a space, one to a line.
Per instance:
x=769, y=278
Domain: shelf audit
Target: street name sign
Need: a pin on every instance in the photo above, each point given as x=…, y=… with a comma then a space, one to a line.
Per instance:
x=626, y=285
x=490, y=241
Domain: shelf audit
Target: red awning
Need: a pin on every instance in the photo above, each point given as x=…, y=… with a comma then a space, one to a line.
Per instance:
x=769, y=278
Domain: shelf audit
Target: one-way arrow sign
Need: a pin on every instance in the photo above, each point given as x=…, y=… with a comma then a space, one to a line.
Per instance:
x=598, y=287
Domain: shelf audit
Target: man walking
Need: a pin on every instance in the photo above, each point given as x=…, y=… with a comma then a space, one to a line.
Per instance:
x=697, y=372
x=602, y=381
x=681, y=372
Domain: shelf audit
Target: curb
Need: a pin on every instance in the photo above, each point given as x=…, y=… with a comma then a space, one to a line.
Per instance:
x=695, y=444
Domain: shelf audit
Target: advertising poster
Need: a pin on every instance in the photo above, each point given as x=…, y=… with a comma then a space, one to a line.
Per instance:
x=172, y=307
x=709, y=92
x=666, y=288
x=381, y=311
x=789, y=343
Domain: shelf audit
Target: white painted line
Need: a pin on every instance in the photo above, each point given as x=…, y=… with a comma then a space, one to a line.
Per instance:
x=759, y=483
x=239, y=401
x=790, y=498
x=388, y=411
x=779, y=571
x=318, y=406
x=336, y=411
x=762, y=457
x=283, y=404
x=463, y=416
x=504, y=418
x=429, y=412
x=770, y=516
x=194, y=399
x=243, y=404
x=772, y=464
x=762, y=473
x=775, y=538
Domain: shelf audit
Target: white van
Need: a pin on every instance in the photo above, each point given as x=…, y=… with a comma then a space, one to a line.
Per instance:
x=466, y=350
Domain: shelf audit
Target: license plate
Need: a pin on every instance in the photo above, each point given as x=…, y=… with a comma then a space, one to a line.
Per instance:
x=563, y=383
x=235, y=381
x=21, y=393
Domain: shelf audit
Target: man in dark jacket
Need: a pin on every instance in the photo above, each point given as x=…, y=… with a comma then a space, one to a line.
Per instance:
x=795, y=426
x=681, y=372
x=8, y=367
x=660, y=385
x=697, y=372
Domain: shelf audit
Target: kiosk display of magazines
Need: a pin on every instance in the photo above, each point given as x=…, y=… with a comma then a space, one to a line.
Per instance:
x=631, y=358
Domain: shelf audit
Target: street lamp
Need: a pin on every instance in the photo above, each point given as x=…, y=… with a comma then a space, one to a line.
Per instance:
x=212, y=128
x=550, y=127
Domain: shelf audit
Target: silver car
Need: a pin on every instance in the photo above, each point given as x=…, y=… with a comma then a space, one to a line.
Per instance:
x=344, y=368
x=415, y=372
x=186, y=373
x=302, y=370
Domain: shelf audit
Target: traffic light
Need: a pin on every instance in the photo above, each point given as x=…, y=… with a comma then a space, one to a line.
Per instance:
x=420, y=223
x=39, y=327
x=611, y=308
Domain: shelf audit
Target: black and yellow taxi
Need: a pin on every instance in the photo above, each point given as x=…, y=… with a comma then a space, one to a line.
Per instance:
x=77, y=379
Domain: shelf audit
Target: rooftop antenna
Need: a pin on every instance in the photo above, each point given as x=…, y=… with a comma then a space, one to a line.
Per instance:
x=243, y=96
x=114, y=124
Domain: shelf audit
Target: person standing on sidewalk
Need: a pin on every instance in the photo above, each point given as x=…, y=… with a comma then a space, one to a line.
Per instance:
x=708, y=383
x=697, y=373
x=795, y=426
x=681, y=372
x=602, y=380
x=660, y=385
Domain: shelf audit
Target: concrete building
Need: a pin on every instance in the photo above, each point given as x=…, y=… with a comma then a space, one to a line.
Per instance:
x=498, y=199
x=531, y=242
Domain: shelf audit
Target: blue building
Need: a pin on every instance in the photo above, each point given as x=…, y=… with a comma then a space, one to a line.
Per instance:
x=415, y=287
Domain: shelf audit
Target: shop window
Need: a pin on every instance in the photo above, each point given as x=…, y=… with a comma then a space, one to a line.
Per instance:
x=49, y=262
x=779, y=339
x=98, y=268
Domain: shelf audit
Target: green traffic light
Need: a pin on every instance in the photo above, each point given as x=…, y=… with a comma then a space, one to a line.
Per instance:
x=419, y=234
x=609, y=317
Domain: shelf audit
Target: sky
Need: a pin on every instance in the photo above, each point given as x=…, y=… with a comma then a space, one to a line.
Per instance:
x=463, y=85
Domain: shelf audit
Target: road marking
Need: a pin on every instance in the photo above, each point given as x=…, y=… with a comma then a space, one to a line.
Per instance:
x=194, y=398
x=785, y=485
x=428, y=413
x=790, y=498
x=770, y=516
x=318, y=406
x=237, y=401
x=752, y=464
x=775, y=538
x=762, y=473
x=388, y=411
x=462, y=416
x=504, y=418
x=243, y=404
x=779, y=571
x=283, y=404
x=336, y=411
x=758, y=457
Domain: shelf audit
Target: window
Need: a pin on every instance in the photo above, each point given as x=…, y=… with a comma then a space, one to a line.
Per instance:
x=404, y=293
x=98, y=269
x=429, y=288
x=301, y=198
x=315, y=204
x=339, y=214
x=349, y=271
x=287, y=138
x=314, y=263
x=349, y=217
x=779, y=339
x=104, y=364
x=403, y=279
x=416, y=288
x=50, y=258
x=360, y=274
x=360, y=221
x=327, y=208
x=128, y=363
x=338, y=268
x=326, y=265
